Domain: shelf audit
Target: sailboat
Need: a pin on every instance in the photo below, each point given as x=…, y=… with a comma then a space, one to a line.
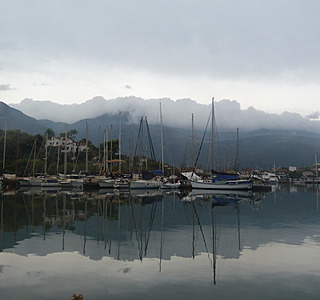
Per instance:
x=166, y=183
x=113, y=182
x=221, y=180
x=147, y=180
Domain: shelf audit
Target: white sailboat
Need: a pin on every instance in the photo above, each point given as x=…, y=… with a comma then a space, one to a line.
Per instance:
x=145, y=179
x=237, y=184
x=145, y=184
x=219, y=180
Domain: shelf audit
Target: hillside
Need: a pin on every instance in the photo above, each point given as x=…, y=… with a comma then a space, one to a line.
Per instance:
x=18, y=120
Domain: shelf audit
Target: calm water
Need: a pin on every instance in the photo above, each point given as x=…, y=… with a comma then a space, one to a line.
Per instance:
x=160, y=246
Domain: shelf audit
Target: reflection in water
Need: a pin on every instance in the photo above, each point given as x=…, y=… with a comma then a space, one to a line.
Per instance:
x=128, y=218
x=188, y=238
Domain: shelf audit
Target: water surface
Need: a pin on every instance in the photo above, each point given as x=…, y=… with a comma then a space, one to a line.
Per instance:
x=156, y=245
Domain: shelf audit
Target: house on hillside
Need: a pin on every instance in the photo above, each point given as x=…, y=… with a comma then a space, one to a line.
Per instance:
x=66, y=144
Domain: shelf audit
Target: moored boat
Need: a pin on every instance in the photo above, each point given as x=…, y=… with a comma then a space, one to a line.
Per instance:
x=145, y=184
x=223, y=185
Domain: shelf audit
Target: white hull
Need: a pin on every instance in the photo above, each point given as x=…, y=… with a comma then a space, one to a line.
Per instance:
x=170, y=185
x=145, y=184
x=23, y=182
x=35, y=182
x=121, y=185
x=107, y=184
x=227, y=185
x=113, y=184
x=72, y=182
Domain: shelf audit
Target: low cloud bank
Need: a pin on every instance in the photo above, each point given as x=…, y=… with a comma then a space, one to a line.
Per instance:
x=228, y=113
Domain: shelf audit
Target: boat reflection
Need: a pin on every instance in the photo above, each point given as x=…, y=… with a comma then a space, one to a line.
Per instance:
x=210, y=236
x=223, y=197
x=125, y=225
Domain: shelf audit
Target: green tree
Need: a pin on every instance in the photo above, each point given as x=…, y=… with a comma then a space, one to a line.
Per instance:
x=50, y=133
x=72, y=134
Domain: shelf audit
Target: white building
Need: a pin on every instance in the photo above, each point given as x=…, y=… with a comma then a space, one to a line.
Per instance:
x=69, y=145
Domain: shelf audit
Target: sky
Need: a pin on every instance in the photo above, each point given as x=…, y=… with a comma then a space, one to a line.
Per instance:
x=260, y=53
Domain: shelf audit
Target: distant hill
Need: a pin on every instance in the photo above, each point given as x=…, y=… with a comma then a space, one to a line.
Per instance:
x=18, y=120
x=258, y=148
x=283, y=150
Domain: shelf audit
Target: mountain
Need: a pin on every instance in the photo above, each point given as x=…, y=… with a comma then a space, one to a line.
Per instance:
x=283, y=150
x=18, y=120
x=265, y=140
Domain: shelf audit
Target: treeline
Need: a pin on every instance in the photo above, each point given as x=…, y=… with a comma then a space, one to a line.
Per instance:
x=24, y=155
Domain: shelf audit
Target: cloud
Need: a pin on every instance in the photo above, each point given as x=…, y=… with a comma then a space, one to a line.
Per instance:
x=228, y=113
x=41, y=84
x=315, y=115
x=254, y=51
x=261, y=38
x=5, y=87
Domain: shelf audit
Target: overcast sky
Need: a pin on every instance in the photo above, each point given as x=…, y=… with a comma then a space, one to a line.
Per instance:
x=260, y=53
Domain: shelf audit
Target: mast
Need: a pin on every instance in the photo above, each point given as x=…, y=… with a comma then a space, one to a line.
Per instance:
x=193, y=143
x=46, y=155
x=236, y=167
x=316, y=163
x=65, y=153
x=34, y=158
x=213, y=162
x=111, y=148
x=138, y=148
x=4, y=143
x=119, y=143
x=58, y=160
x=87, y=169
x=99, y=152
x=106, y=151
x=17, y=153
x=161, y=137
x=131, y=152
x=144, y=150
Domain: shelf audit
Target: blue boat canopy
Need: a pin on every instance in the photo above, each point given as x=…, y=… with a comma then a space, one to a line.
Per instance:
x=158, y=172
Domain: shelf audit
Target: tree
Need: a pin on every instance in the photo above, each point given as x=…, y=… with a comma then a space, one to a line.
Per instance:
x=50, y=133
x=70, y=134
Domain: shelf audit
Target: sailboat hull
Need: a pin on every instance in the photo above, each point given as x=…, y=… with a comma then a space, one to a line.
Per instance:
x=145, y=184
x=226, y=185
